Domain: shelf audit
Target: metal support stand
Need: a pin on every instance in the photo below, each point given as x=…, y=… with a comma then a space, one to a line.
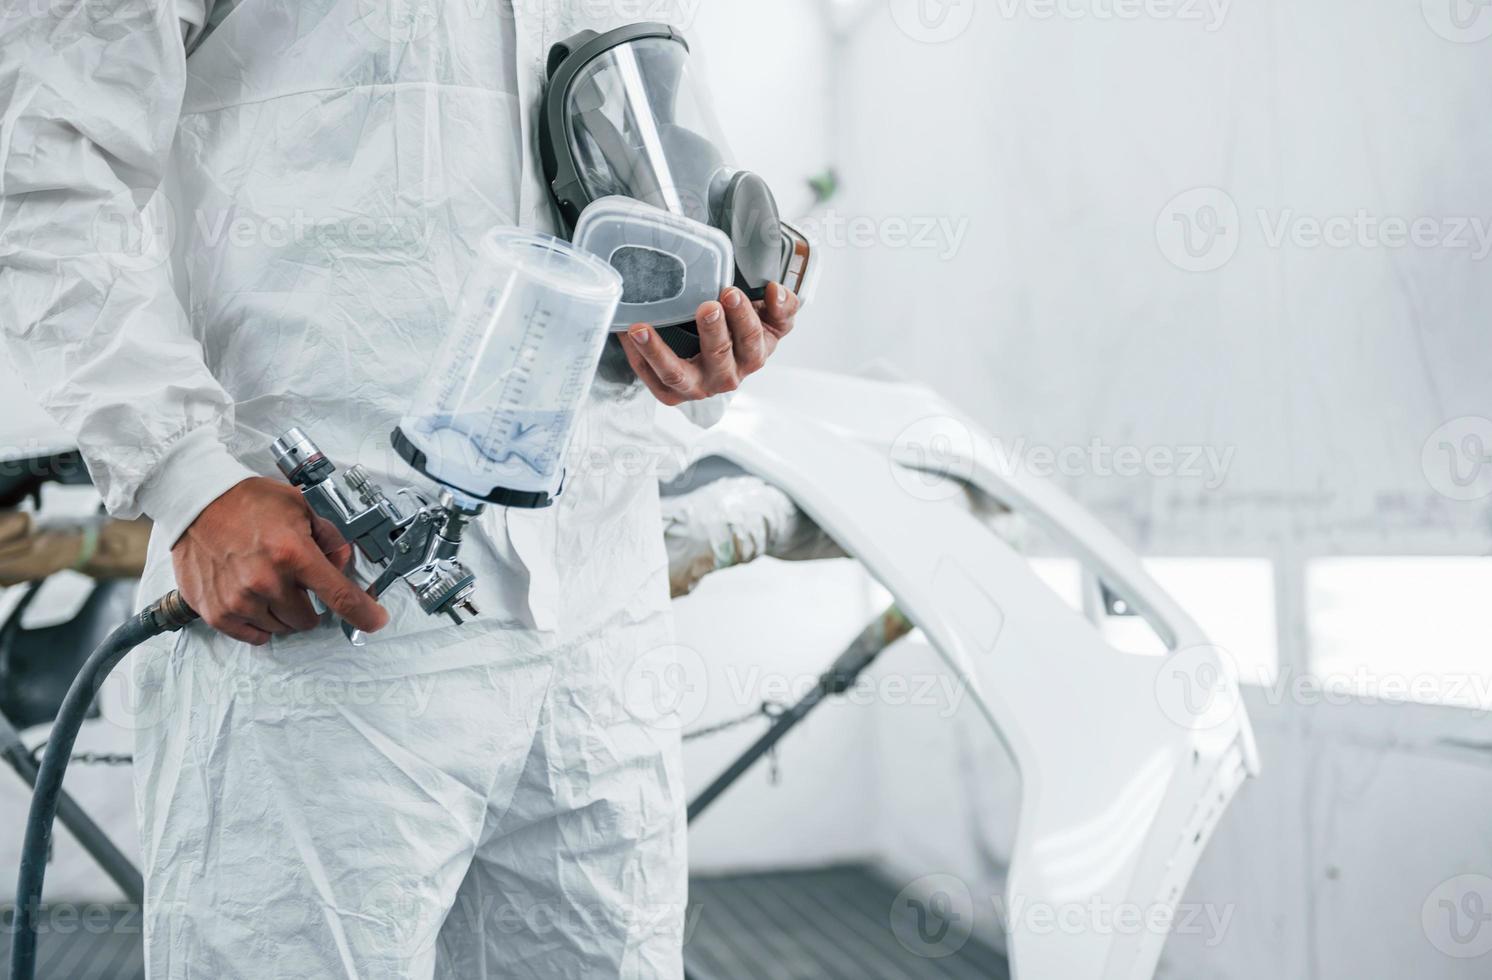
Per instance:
x=889, y=627
x=87, y=833
x=846, y=671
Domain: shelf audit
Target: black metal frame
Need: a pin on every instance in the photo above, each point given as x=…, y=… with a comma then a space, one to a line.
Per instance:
x=19, y=480
x=839, y=678
x=88, y=834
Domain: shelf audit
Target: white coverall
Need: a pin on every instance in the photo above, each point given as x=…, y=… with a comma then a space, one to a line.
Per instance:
x=498, y=799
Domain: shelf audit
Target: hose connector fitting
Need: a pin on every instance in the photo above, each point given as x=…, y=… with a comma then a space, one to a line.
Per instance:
x=170, y=613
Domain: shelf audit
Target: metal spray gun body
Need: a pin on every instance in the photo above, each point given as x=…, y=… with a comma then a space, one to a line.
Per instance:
x=419, y=547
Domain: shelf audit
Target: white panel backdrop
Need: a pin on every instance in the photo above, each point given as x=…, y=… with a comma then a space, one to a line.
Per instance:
x=1055, y=138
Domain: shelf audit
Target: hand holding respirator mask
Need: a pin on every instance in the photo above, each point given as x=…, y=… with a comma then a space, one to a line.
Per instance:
x=640, y=175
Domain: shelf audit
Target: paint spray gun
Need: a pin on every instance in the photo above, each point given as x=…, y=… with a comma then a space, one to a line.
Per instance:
x=419, y=546
x=490, y=424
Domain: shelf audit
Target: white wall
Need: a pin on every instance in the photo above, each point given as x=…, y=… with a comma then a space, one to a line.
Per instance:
x=1057, y=144
x=771, y=74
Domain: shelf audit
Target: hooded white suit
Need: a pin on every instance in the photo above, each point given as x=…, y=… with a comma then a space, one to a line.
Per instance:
x=499, y=799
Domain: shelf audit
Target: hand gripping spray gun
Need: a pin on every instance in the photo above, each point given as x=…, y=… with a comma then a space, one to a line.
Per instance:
x=419, y=548
x=491, y=424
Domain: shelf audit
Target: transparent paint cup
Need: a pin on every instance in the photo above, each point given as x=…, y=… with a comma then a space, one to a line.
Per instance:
x=497, y=410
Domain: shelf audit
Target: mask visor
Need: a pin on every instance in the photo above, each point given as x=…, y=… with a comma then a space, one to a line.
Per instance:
x=642, y=126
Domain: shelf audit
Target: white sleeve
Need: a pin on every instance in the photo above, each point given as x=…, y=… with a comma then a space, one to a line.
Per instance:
x=90, y=97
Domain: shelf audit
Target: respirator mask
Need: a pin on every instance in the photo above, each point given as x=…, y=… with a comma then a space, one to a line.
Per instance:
x=641, y=177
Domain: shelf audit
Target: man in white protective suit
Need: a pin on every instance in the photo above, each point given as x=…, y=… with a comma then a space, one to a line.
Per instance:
x=458, y=802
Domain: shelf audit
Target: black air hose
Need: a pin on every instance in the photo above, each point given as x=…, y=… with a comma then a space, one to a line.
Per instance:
x=167, y=615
